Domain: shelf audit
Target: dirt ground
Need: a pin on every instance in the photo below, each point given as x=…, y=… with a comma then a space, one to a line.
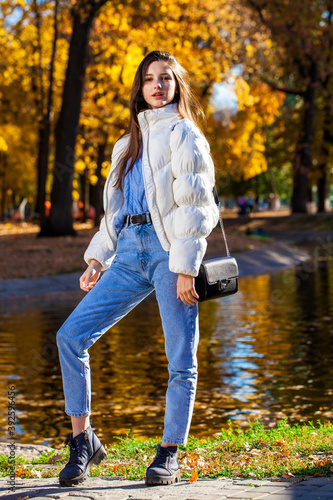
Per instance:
x=24, y=255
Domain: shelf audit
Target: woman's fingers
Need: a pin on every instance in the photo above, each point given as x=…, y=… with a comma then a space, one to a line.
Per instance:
x=188, y=297
x=188, y=300
x=85, y=282
x=90, y=276
x=185, y=289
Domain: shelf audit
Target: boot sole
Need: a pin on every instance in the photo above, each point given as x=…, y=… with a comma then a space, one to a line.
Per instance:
x=160, y=480
x=95, y=459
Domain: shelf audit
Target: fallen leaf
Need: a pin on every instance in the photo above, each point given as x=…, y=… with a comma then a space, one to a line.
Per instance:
x=247, y=446
x=194, y=476
x=54, y=458
x=286, y=474
x=35, y=473
x=262, y=444
x=223, y=444
x=279, y=442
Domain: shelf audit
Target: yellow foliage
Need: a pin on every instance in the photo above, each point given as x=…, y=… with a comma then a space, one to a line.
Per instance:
x=240, y=148
x=3, y=145
x=93, y=179
x=206, y=37
x=80, y=166
x=75, y=195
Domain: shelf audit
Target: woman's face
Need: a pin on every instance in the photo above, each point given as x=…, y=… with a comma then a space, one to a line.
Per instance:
x=159, y=85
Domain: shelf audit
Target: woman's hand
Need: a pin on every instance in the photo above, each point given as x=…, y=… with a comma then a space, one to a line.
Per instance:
x=185, y=289
x=90, y=276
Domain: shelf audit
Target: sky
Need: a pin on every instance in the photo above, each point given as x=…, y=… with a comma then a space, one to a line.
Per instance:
x=224, y=98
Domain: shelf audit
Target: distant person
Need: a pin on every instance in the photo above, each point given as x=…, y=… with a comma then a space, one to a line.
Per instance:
x=20, y=214
x=159, y=209
x=91, y=213
x=250, y=203
x=241, y=202
x=271, y=201
x=256, y=203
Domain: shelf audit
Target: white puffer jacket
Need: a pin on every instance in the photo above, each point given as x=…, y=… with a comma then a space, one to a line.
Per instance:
x=179, y=178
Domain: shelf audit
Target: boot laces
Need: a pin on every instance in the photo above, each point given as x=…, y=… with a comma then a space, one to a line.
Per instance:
x=162, y=456
x=164, y=452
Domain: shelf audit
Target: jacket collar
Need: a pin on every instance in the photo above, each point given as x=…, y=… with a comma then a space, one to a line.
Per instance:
x=162, y=116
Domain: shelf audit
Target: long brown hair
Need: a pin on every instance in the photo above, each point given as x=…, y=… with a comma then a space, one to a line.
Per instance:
x=188, y=106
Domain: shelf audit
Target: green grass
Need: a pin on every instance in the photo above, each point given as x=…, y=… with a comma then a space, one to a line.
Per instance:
x=257, y=452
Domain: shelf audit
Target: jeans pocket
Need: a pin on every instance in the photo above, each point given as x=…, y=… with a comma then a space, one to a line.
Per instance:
x=121, y=233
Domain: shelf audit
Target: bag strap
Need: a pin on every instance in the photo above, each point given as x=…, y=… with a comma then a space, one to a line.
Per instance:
x=216, y=198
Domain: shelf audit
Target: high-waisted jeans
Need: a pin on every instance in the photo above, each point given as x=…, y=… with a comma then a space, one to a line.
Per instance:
x=140, y=266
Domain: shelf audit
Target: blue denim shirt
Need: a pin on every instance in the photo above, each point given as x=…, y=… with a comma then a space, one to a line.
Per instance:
x=134, y=195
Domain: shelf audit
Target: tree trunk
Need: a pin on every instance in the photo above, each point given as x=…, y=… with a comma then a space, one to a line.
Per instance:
x=3, y=202
x=303, y=156
x=84, y=183
x=325, y=156
x=322, y=190
x=272, y=180
x=3, y=187
x=45, y=128
x=42, y=166
x=60, y=221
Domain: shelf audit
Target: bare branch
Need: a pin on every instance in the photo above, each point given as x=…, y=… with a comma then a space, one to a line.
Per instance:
x=286, y=90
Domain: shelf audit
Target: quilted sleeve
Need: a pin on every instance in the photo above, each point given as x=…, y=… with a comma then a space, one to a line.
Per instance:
x=103, y=244
x=196, y=213
x=101, y=247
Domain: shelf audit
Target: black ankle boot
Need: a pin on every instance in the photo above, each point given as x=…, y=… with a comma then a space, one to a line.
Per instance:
x=165, y=467
x=85, y=450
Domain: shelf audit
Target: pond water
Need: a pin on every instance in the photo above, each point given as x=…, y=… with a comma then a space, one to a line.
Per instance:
x=265, y=353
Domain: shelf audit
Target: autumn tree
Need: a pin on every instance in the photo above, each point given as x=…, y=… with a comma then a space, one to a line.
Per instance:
x=238, y=142
x=325, y=107
x=203, y=39
x=207, y=40
x=90, y=102
x=29, y=99
x=17, y=131
x=301, y=47
x=60, y=220
x=45, y=104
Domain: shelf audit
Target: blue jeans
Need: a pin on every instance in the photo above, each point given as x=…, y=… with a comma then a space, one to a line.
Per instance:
x=140, y=266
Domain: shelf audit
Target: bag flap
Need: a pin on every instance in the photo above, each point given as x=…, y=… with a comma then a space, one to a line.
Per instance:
x=221, y=268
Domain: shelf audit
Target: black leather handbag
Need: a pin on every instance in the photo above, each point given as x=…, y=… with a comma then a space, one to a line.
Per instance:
x=217, y=277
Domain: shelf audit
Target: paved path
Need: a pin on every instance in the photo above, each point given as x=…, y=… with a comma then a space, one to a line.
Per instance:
x=252, y=262
x=203, y=489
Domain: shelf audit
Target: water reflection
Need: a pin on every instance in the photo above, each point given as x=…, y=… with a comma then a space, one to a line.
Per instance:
x=266, y=352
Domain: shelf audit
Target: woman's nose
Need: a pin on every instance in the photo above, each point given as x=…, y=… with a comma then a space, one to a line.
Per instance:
x=158, y=84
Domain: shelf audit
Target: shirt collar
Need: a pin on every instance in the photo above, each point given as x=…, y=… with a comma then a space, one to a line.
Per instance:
x=168, y=113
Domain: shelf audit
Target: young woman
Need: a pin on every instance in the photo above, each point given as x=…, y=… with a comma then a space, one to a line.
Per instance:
x=159, y=209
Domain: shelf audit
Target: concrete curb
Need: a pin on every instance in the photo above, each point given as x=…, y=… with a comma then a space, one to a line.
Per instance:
x=251, y=262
